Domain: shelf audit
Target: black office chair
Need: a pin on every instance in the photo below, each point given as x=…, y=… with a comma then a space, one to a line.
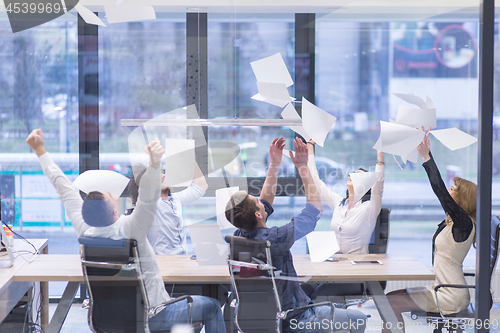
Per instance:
x=256, y=306
x=118, y=298
x=458, y=321
x=347, y=294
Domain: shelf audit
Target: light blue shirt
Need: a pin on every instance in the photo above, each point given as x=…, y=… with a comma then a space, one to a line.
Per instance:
x=167, y=234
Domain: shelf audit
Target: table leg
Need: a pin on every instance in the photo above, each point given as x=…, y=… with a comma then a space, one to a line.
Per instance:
x=387, y=315
x=63, y=308
x=44, y=289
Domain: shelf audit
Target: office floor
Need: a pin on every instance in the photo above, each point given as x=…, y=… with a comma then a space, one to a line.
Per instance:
x=76, y=322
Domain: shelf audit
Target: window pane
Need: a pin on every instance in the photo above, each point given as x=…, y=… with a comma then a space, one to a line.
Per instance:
x=233, y=43
x=39, y=81
x=358, y=65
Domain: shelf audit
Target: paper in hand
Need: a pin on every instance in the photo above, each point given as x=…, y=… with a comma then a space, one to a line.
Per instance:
x=453, y=138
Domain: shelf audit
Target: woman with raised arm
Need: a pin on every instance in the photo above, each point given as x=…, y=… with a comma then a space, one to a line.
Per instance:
x=452, y=241
x=353, y=222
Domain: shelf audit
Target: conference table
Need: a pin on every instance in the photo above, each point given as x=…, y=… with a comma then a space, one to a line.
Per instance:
x=182, y=269
x=11, y=292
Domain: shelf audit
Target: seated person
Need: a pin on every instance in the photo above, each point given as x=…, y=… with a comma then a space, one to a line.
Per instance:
x=167, y=234
x=452, y=240
x=353, y=222
x=250, y=215
x=97, y=216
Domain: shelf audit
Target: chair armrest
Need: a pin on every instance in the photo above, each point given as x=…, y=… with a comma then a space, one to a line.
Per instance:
x=284, y=314
x=158, y=308
x=313, y=305
x=460, y=286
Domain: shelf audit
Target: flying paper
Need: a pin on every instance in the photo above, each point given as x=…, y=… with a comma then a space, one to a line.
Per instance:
x=272, y=70
x=453, y=138
x=316, y=122
x=129, y=13
x=290, y=113
x=273, y=93
x=362, y=182
x=416, y=117
x=412, y=99
x=179, y=162
x=412, y=157
x=88, y=16
x=208, y=244
x=102, y=181
x=322, y=245
x=222, y=197
x=398, y=139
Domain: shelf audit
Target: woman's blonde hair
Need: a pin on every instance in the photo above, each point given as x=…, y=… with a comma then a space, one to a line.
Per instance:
x=465, y=195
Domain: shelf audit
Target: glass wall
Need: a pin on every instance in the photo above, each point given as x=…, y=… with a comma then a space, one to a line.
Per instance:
x=358, y=62
x=39, y=81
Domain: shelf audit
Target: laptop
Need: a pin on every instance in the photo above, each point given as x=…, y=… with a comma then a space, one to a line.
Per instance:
x=209, y=246
x=6, y=260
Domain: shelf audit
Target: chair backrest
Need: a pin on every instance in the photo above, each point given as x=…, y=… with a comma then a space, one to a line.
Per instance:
x=380, y=235
x=118, y=301
x=256, y=290
x=495, y=242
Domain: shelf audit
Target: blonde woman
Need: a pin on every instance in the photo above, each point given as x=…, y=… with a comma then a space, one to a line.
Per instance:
x=452, y=241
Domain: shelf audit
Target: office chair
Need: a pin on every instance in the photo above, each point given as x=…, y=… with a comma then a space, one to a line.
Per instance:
x=116, y=287
x=346, y=294
x=458, y=321
x=257, y=303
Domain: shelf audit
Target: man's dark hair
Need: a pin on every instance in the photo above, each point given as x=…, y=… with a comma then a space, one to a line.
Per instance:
x=96, y=211
x=243, y=214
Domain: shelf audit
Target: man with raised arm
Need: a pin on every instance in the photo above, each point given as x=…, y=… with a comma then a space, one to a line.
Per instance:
x=250, y=214
x=97, y=216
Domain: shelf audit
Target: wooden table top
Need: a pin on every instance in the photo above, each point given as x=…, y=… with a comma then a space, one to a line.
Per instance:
x=6, y=273
x=181, y=269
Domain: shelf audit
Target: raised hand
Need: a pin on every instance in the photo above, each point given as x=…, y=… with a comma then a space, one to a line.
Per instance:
x=300, y=158
x=276, y=151
x=36, y=141
x=155, y=151
x=424, y=147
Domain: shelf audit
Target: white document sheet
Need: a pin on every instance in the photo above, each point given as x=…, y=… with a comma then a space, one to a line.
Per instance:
x=179, y=161
x=322, y=245
x=290, y=113
x=222, y=197
x=412, y=157
x=412, y=99
x=362, y=182
x=316, y=122
x=453, y=138
x=416, y=118
x=272, y=69
x=209, y=246
x=128, y=13
x=102, y=181
x=273, y=93
x=88, y=16
x=398, y=139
